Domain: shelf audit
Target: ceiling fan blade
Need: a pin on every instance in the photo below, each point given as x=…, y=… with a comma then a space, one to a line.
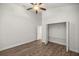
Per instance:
x=32, y=3
x=40, y=3
x=42, y=8
x=36, y=11
x=29, y=8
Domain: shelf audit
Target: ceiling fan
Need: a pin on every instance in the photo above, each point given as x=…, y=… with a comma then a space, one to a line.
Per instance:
x=36, y=7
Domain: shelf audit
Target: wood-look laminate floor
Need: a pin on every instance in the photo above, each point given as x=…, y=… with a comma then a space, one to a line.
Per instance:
x=37, y=48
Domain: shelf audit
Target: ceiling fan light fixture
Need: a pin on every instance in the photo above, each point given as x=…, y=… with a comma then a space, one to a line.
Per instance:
x=36, y=7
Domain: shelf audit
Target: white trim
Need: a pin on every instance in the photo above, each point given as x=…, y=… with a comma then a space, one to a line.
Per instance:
x=67, y=34
x=54, y=22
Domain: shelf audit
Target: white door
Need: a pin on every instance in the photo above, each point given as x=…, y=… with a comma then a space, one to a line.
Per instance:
x=39, y=33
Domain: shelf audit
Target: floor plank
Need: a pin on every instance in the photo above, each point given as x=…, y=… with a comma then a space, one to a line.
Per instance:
x=37, y=48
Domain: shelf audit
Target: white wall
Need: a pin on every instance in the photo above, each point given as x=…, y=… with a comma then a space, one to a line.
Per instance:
x=57, y=33
x=65, y=13
x=17, y=25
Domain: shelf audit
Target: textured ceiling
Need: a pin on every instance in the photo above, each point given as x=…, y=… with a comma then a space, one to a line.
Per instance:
x=53, y=5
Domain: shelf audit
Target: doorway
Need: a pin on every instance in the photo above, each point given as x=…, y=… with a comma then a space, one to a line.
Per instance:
x=59, y=34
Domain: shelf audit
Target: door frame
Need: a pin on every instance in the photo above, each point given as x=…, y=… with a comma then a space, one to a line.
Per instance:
x=67, y=32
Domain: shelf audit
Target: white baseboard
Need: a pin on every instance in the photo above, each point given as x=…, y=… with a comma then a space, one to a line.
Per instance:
x=57, y=42
x=74, y=50
x=64, y=44
x=11, y=46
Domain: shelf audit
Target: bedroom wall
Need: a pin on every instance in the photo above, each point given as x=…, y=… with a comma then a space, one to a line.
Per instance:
x=17, y=25
x=66, y=13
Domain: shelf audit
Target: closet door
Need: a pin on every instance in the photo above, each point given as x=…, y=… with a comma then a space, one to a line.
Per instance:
x=39, y=33
x=45, y=33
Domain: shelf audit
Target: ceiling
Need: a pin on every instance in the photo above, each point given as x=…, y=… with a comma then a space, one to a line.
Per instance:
x=53, y=5
x=49, y=5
